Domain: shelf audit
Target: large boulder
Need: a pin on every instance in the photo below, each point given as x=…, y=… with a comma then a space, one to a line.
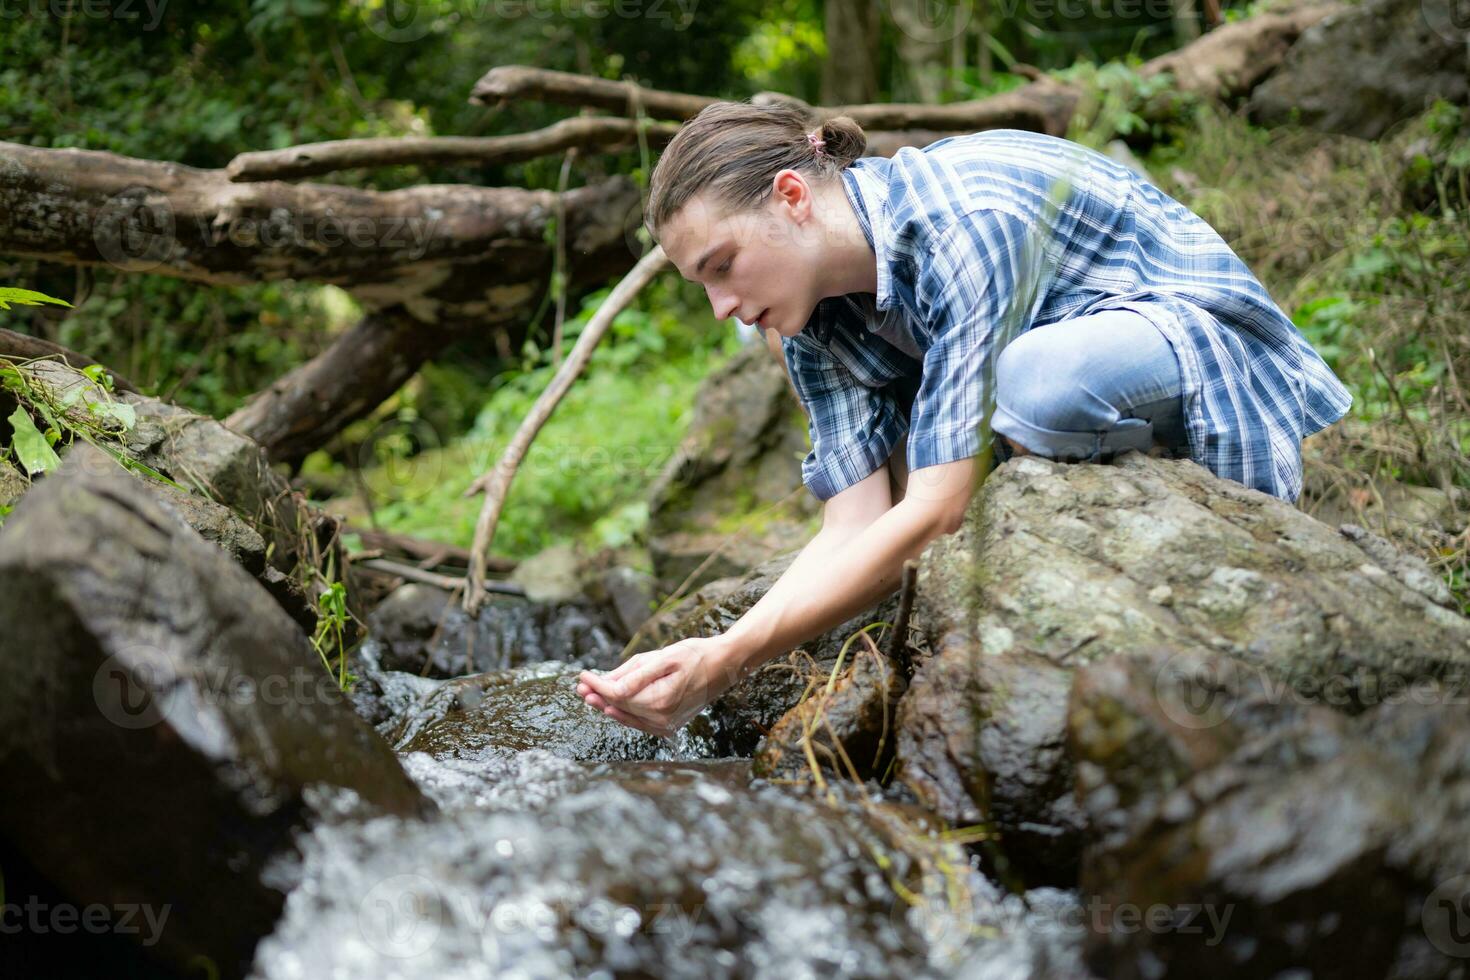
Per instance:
x=1371, y=65
x=1263, y=834
x=225, y=487
x=1072, y=564
x=162, y=718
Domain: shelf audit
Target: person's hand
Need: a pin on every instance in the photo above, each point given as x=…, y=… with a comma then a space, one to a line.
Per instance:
x=659, y=691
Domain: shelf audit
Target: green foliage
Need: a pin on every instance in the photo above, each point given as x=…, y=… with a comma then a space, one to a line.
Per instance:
x=26, y=297
x=48, y=415
x=1372, y=270
x=332, y=620
x=587, y=475
x=1120, y=101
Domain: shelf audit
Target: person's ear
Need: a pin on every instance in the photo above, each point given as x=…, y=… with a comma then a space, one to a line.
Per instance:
x=791, y=193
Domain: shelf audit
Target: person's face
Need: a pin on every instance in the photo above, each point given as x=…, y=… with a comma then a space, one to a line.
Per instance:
x=757, y=265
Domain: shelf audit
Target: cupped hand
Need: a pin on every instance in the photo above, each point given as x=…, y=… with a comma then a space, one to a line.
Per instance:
x=659, y=691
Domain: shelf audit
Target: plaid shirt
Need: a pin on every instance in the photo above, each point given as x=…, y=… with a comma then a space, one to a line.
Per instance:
x=983, y=236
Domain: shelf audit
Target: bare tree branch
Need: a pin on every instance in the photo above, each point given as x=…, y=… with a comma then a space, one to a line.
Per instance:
x=312, y=159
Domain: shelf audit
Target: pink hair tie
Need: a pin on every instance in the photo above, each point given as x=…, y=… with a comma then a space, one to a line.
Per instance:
x=817, y=143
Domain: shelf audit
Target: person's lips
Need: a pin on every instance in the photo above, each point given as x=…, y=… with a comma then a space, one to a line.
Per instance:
x=761, y=320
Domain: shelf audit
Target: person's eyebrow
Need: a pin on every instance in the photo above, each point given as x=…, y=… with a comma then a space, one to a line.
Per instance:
x=706, y=257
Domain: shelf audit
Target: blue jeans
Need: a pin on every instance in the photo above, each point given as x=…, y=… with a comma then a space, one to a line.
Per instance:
x=1088, y=388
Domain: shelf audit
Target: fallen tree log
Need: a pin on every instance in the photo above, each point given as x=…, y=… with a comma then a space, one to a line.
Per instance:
x=443, y=252
x=309, y=404
x=428, y=263
x=20, y=347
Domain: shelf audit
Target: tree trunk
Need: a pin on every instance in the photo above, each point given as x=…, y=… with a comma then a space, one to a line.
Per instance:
x=850, y=73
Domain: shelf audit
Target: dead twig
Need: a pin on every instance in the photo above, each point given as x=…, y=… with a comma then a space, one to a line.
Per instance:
x=411, y=574
x=496, y=483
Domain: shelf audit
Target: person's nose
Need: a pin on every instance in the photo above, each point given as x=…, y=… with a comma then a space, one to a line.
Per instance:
x=722, y=302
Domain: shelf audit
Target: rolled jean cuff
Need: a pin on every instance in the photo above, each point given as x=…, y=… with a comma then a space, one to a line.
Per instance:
x=1129, y=433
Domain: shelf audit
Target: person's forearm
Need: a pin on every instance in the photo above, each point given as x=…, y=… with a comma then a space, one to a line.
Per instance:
x=826, y=586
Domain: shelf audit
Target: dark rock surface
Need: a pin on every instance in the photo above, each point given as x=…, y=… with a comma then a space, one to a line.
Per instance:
x=1369, y=66
x=1276, y=834
x=160, y=716
x=424, y=631
x=848, y=724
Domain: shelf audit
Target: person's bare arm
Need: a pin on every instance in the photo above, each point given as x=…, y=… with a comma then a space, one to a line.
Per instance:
x=855, y=561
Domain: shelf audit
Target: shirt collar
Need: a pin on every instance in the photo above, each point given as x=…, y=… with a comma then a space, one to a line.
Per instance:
x=865, y=182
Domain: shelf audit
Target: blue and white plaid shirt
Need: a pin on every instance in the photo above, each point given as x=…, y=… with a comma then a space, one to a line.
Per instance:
x=981, y=237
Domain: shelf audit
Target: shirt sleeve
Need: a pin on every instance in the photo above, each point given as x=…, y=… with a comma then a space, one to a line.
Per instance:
x=853, y=426
x=979, y=287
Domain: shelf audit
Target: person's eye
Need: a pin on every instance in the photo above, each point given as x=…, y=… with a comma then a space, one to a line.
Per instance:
x=726, y=266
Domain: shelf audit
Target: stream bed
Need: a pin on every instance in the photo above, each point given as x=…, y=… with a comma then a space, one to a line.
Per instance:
x=539, y=865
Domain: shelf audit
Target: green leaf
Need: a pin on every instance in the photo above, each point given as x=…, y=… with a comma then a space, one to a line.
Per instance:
x=120, y=412
x=26, y=297
x=98, y=374
x=31, y=448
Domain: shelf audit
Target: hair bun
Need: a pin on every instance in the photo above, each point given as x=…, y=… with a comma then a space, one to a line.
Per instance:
x=845, y=139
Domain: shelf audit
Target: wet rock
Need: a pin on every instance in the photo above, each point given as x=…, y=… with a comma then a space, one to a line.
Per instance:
x=629, y=593
x=424, y=631
x=218, y=525
x=535, y=707
x=1075, y=564
x=161, y=716
x=215, y=465
x=1270, y=834
x=849, y=729
x=985, y=742
x=741, y=455
x=1369, y=66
